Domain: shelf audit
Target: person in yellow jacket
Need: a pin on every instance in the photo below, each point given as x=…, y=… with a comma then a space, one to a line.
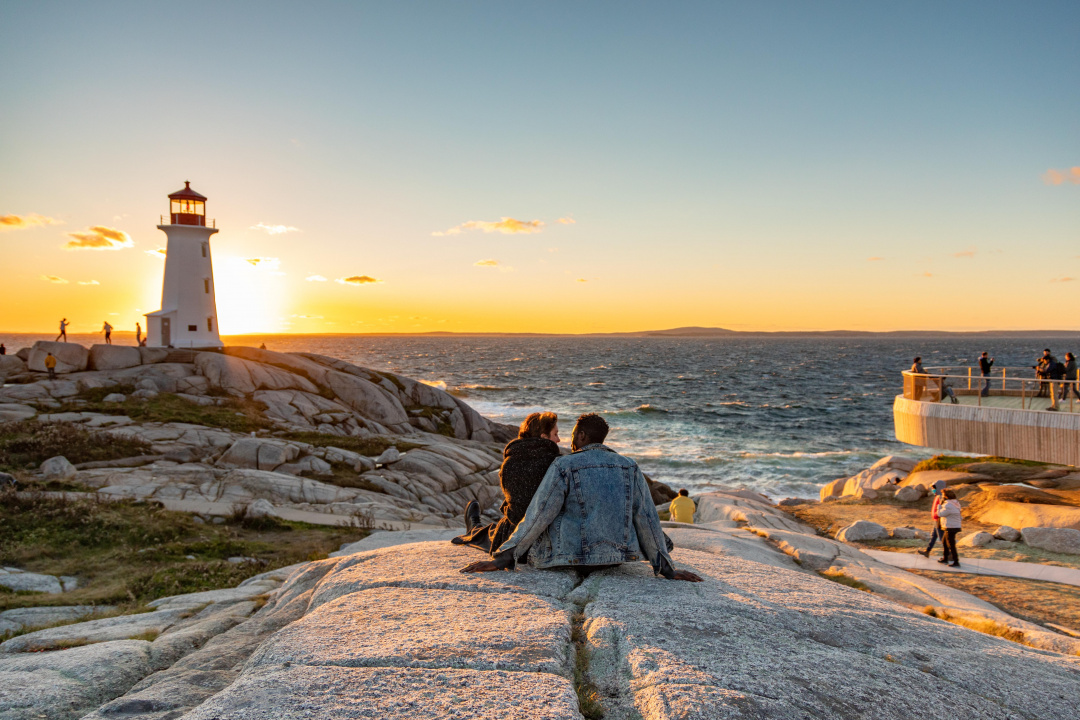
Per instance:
x=50, y=365
x=682, y=508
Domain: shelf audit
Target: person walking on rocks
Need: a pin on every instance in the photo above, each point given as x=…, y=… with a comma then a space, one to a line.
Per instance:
x=63, y=330
x=525, y=460
x=107, y=329
x=936, y=534
x=593, y=510
x=138, y=334
x=682, y=508
x=50, y=365
x=950, y=518
x=985, y=363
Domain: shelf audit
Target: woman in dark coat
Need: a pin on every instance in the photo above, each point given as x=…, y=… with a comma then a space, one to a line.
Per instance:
x=525, y=460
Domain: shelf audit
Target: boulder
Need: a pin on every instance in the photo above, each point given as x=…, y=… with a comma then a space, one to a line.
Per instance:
x=1027, y=514
x=8, y=480
x=389, y=456
x=24, y=354
x=20, y=581
x=862, y=530
x=895, y=462
x=237, y=376
x=1007, y=533
x=660, y=492
x=911, y=493
x=905, y=533
x=258, y=454
x=833, y=489
x=1059, y=540
x=70, y=357
x=979, y=539
x=10, y=365
x=261, y=508
x=308, y=465
x=152, y=355
x=194, y=385
x=865, y=493
x=114, y=398
x=57, y=468
x=1002, y=472
x=113, y=357
x=144, y=394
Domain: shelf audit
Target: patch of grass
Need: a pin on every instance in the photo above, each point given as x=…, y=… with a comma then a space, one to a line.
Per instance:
x=983, y=625
x=25, y=445
x=948, y=462
x=148, y=636
x=344, y=476
x=236, y=414
x=588, y=696
x=844, y=579
x=127, y=553
x=369, y=446
x=61, y=645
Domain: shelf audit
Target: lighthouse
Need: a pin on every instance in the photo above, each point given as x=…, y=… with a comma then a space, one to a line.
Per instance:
x=188, y=314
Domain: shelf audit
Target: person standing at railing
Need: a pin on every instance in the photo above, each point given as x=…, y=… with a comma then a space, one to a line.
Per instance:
x=919, y=382
x=1072, y=375
x=1042, y=372
x=985, y=363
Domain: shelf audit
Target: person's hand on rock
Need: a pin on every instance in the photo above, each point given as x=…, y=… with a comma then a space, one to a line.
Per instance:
x=685, y=575
x=482, y=566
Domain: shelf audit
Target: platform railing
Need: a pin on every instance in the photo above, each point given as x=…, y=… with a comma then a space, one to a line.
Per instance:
x=940, y=384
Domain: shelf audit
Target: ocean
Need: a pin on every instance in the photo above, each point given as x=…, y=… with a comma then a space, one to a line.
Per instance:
x=779, y=415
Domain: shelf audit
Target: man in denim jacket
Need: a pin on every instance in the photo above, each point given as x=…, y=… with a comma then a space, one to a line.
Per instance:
x=593, y=509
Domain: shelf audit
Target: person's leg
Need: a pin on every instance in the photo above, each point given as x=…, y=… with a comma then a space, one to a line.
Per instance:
x=52, y=373
x=933, y=540
x=952, y=546
x=476, y=535
x=946, y=551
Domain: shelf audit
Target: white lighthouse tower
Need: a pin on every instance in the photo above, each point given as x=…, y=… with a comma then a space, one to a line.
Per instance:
x=188, y=314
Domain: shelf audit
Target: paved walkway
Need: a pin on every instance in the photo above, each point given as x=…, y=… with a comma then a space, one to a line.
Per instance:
x=980, y=566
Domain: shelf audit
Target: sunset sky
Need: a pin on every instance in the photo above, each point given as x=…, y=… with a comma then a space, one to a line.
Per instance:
x=547, y=166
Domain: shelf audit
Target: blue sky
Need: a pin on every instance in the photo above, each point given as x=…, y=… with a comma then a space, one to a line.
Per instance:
x=732, y=165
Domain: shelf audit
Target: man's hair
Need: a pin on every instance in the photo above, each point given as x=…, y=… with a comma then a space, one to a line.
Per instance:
x=1046, y=349
x=537, y=424
x=684, y=492
x=594, y=427
x=918, y=358
x=985, y=353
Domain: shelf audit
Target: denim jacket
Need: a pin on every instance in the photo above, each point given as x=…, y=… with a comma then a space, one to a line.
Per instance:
x=593, y=507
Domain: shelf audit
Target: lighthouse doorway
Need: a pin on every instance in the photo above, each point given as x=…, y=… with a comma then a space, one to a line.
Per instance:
x=166, y=332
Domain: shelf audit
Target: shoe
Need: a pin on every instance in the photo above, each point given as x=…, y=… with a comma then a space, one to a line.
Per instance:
x=954, y=564
x=924, y=553
x=943, y=561
x=472, y=516
x=955, y=401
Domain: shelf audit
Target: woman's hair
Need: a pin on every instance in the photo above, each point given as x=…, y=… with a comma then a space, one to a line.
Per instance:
x=1069, y=356
x=950, y=494
x=538, y=424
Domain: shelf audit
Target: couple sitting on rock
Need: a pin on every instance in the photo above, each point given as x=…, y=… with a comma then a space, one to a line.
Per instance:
x=588, y=510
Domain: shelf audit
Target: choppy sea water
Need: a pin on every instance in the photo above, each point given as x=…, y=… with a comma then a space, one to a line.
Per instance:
x=779, y=415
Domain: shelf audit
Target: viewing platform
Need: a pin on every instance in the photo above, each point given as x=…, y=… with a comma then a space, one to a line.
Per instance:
x=1008, y=414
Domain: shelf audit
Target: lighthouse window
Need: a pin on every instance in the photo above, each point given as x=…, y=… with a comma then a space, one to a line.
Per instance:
x=210, y=324
x=192, y=328
x=188, y=207
x=204, y=253
x=206, y=285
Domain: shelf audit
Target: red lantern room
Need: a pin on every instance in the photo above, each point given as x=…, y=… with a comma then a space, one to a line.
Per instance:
x=187, y=207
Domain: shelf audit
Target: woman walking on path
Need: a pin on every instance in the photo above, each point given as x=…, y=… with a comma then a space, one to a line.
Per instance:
x=936, y=535
x=949, y=512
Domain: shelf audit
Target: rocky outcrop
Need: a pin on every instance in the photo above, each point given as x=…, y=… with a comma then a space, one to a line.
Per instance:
x=1059, y=540
x=113, y=357
x=391, y=630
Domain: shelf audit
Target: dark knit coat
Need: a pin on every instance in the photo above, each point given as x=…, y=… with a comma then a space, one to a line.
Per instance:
x=525, y=460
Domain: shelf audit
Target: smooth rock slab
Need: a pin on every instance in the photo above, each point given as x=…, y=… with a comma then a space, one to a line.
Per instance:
x=66, y=685
x=414, y=627
x=30, y=582
x=122, y=627
x=384, y=539
x=19, y=618
x=57, y=468
x=756, y=641
x=434, y=565
x=322, y=693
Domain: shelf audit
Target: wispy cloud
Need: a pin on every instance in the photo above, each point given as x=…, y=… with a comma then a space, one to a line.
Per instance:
x=486, y=263
x=926, y=274
x=315, y=278
x=159, y=253
x=89, y=282
x=308, y=317
x=21, y=222
x=581, y=280
x=874, y=259
x=1063, y=279
x=357, y=280
x=1060, y=177
x=566, y=221
x=268, y=263
x=54, y=279
x=969, y=253
x=99, y=237
x=275, y=229
x=507, y=226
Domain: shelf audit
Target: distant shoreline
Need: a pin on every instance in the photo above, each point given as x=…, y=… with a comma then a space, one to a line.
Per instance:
x=679, y=333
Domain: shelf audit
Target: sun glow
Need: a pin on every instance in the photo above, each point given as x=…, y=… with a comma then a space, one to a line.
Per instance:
x=250, y=298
